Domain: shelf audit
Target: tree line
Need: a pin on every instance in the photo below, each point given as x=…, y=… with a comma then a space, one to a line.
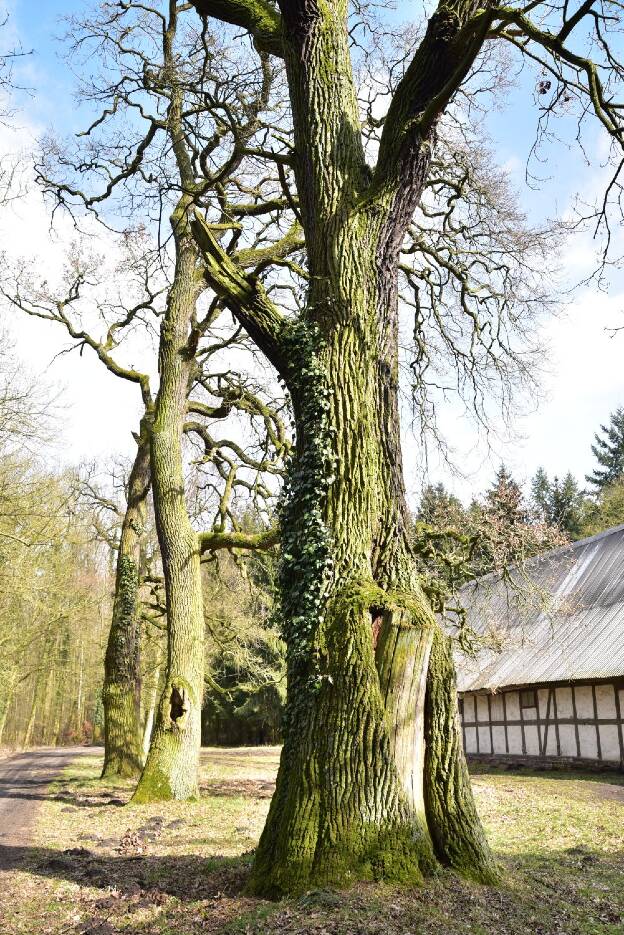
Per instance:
x=509, y=526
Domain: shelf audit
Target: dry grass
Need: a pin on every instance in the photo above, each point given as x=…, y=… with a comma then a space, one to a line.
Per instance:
x=180, y=868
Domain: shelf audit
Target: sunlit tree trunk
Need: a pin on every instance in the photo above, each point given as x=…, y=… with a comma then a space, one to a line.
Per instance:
x=150, y=712
x=355, y=794
x=122, y=671
x=172, y=761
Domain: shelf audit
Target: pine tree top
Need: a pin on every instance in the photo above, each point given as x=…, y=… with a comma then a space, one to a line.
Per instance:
x=608, y=449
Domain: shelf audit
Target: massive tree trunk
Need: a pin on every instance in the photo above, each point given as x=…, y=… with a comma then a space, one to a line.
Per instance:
x=121, y=694
x=372, y=782
x=351, y=800
x=172, y=762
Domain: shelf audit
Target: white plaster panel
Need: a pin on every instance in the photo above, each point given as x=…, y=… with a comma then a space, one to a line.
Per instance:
x=589, y=743
x=609, y=742
x=485, y=744
x=471, y=740
x=621, y=694
x=497, y=708
x=513, y=706
x=564, y=702
x=605, y=699
x=584, y=702
x=531, y=739
x=498, y=736
x=514, y=735
x=529, y=714
x=482, y=709
x=551, y=741
x=542, y=702
x=567, y=739
x=469, y=709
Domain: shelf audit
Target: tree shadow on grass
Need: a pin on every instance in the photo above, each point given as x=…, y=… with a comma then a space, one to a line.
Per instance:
x=33, y=791
x=187, y=877
x=235, y=788
x=540, y=894
x=479, y=768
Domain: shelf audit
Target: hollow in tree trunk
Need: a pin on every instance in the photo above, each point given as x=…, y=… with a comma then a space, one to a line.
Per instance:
x=369, y=686
x=170, y=771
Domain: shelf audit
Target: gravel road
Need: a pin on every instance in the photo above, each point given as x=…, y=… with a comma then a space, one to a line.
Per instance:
x=24, y=779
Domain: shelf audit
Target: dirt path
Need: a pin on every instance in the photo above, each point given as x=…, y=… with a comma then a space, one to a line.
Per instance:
x=24, y=779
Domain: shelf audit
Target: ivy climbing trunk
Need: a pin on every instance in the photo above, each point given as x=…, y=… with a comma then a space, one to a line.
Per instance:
x=171, y=768
x=121, y=694
x=350, y=800
x=372, y=782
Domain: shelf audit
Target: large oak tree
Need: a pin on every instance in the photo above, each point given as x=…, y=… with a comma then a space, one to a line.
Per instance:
x=372, y=779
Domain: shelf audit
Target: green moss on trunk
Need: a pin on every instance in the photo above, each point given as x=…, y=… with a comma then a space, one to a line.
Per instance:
x=121, y=693
x=172, y=762
x=455, y=827
x=339, y=813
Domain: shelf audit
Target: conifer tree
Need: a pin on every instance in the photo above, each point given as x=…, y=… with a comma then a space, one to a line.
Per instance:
x=558, y=502
x=504, y=499
x=438, y=507
x=609, y=452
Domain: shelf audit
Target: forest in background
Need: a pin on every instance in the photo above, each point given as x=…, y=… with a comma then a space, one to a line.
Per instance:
x=59, y=535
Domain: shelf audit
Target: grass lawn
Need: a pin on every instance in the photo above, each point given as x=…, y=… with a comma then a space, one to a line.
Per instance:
x=101, y=868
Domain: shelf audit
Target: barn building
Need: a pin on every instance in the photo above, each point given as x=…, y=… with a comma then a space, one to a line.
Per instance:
x=548, y=681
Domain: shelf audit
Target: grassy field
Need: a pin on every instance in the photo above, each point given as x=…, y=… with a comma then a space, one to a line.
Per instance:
x=100, y=868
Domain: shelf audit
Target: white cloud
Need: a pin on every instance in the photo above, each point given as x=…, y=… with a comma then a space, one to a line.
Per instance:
x=100, y=410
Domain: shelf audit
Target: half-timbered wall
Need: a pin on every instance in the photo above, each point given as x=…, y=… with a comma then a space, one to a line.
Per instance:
x=582, y=721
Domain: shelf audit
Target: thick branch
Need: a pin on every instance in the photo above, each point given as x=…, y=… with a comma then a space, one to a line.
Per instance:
x=210, y=541
x=257, y=17
x=245, y=296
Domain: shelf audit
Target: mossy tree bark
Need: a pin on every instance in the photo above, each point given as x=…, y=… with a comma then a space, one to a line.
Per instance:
x=170, y=771
x=121, y=695
x=351, y=799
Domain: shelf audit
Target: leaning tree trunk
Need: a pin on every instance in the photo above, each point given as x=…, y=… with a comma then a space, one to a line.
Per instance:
x=172, y=762
x=121, y=693
x=150, y=712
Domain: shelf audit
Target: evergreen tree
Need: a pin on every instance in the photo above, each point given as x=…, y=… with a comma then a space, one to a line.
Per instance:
x=504, y=499
x=440, y=508
x=566, y=504
x=558, y=503
x=609, y=452
x=541, y=495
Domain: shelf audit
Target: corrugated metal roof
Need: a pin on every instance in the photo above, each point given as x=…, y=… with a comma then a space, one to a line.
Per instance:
x=562, y=620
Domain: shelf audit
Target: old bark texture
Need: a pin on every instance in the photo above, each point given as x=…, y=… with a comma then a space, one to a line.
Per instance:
x=121, y=694
x=171, y=768
x=351, y=799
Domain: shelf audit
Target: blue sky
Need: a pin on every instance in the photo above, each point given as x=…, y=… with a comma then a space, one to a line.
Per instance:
x=585, y=380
